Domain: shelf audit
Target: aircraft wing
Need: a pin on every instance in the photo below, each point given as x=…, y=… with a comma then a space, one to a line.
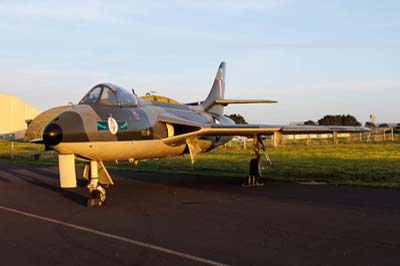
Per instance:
x=170, y=118
x=250, y=130
x=225, y=102
x=322, y=129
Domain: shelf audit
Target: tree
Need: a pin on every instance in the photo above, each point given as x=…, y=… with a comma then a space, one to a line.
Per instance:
x=310, y=123
x=384, y=125
x=237, y=118
x=330, y=120
x=370, y=124
x=350, y=120
x=339, y=120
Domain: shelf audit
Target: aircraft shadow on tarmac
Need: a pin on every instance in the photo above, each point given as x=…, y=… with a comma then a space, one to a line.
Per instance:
x=351, y=197
x=71, y=195
x=5, y=180
x=181, y=180
x=280, y=191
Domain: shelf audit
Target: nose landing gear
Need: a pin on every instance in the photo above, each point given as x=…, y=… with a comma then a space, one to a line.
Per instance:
x=98, y=194
x=98, y=178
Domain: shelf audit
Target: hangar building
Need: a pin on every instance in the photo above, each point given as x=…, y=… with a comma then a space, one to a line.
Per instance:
x=14, y=114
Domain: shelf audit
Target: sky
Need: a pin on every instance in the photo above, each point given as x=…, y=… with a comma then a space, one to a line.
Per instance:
x=314, y=57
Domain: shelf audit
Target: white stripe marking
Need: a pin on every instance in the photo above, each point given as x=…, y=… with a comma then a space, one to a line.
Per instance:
x=120, y=238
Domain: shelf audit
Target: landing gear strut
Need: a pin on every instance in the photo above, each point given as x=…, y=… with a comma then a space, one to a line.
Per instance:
x=98, y=193
x=255, y=169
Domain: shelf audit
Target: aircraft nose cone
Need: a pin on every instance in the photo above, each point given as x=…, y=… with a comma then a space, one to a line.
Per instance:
x=52, y=134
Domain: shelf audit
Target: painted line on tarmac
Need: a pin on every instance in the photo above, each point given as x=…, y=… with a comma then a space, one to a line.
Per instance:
x=115, y=237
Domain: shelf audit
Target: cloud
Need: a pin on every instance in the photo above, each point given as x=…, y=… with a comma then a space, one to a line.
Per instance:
x=386, y=24
x=327, y=44
x=300, y=44
x=49, y=86
x=350, y=86
x=59, y=10
x=104, y=11
x=232, y=6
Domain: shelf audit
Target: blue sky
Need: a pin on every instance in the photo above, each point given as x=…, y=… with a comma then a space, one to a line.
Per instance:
x=314, y=57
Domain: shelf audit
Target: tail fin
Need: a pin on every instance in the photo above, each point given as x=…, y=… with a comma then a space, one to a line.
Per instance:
x=217, y=92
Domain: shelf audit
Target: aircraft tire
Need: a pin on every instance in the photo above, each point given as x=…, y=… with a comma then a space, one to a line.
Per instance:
x=255, y=167
x=95, y=194
x=94, y=202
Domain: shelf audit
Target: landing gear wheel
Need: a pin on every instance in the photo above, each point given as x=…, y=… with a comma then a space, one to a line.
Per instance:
x=95, y=200
x=255, y=167
x=253, y=179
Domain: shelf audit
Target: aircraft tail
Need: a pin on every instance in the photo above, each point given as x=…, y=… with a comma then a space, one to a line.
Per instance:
x=215, y=101
x=217, y=92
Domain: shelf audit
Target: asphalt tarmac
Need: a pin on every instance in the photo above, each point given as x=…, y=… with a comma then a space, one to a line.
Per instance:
x=159, y=219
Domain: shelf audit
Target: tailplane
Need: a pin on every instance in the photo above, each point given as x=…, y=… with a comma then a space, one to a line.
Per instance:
x=215, y=101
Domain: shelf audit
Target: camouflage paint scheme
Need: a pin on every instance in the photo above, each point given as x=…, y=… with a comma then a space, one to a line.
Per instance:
x=85, y=132
x=111, y=123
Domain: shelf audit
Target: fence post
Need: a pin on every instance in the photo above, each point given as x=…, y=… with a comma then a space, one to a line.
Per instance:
x=12, y=150
x=335, y=137
x=392, y=135
x=277, y=139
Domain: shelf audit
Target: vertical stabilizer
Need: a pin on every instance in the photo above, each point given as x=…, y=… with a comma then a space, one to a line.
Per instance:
x=217, y=92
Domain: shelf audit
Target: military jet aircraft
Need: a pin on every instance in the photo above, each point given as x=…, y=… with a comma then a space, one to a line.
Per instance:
x=113, y=124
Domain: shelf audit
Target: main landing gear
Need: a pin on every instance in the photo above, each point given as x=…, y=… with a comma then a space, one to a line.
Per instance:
x=255, y=169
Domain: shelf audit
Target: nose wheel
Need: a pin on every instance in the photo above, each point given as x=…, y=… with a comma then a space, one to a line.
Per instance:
x=97, y=191
x=97, y=199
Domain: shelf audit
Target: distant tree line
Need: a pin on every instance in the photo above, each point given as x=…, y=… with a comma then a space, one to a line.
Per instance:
x=383, y=125
x=335, y=120
x=327, y=120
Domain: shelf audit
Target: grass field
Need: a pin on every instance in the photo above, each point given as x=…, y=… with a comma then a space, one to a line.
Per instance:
x=373, y=164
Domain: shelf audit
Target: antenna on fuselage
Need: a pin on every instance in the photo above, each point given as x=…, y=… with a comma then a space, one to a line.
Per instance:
x=151, y=92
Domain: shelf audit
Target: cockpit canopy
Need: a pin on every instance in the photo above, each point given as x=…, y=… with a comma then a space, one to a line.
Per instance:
x=109, y=94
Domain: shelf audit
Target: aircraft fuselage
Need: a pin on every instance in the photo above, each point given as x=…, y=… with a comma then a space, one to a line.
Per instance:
x=106, y=133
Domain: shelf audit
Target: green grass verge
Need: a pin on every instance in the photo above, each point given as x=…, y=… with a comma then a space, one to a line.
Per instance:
x=373, y=164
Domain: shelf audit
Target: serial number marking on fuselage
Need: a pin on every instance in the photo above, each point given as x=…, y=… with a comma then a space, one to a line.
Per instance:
x=115, y=237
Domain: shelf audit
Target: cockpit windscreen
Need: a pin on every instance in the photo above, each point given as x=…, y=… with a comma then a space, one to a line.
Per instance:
x=110, y=95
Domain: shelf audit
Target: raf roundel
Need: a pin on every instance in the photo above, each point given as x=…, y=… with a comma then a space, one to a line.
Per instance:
x=112, y=125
